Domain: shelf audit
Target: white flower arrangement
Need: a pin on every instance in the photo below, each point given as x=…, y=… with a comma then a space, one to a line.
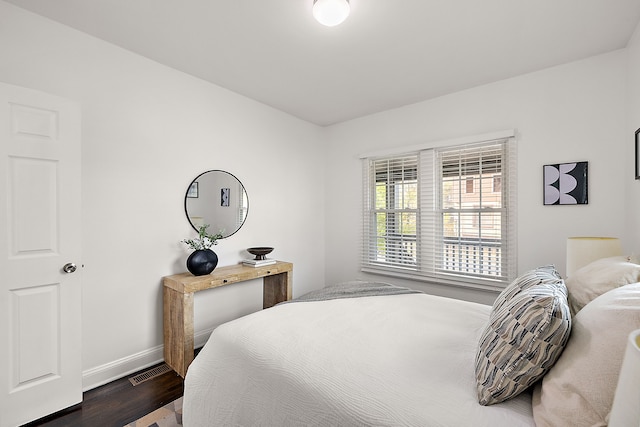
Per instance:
x=204, y=240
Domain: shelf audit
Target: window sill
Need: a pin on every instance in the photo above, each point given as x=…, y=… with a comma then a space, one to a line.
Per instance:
x=484, y=285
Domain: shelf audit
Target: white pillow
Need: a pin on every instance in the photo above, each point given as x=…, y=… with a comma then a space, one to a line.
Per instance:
x=579, y=388
x=599, y=277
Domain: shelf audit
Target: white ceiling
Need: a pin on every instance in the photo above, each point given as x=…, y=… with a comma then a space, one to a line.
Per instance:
x=388, y=53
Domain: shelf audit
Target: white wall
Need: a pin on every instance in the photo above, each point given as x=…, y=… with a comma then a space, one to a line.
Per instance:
x=574, y=112
x=147, y=131
x=633, y=123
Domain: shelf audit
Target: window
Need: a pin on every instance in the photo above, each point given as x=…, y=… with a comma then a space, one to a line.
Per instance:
x=394, y=213
x=445, y=214
x=469, y=185
x=497, y=184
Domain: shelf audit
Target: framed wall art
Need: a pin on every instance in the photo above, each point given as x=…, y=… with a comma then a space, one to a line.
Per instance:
x=192, y=192
x=566, y=184
x=225, y=193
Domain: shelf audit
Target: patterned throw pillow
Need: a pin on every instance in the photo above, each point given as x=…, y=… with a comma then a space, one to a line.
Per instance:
x=523, y=339
x=544, y=274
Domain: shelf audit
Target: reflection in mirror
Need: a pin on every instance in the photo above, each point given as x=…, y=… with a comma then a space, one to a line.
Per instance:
x=219, y=199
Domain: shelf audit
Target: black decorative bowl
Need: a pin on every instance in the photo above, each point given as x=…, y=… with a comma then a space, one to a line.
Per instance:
x=260, y=252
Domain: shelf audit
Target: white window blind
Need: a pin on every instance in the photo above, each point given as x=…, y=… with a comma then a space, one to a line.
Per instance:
x=392, y=217
x=444, y=214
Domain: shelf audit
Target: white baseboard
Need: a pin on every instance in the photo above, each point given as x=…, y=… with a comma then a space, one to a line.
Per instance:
x=100, y=375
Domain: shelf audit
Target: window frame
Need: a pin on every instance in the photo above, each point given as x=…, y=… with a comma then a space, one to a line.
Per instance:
x=381, y=177
x=430, y=234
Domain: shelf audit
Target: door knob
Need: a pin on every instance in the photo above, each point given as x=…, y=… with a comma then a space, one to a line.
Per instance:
x=69, y=267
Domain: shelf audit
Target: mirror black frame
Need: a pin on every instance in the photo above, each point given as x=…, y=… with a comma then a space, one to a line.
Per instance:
x=186, y=197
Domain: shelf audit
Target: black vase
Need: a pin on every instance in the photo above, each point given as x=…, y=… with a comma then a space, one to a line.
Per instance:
x=202, y=262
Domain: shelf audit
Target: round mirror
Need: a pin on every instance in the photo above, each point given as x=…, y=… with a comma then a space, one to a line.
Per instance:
x=219, y=199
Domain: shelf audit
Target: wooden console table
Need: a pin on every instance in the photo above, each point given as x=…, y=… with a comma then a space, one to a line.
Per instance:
x=178, y=293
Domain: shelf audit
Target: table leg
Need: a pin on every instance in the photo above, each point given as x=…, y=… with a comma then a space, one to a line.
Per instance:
x=178, y=329
x=276, y=288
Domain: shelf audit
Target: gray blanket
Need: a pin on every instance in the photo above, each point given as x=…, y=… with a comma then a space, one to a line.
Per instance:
x=353, y=289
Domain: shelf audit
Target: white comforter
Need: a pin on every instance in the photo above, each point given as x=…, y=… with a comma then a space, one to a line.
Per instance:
x=400, y=360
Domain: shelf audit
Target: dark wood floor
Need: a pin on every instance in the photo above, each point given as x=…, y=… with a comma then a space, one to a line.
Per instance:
x=118, y=403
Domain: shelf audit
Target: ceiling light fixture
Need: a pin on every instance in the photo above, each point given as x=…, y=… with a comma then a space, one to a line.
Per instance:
x=330, y=12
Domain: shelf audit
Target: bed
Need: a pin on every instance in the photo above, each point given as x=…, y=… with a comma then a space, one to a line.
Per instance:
x=371, y=354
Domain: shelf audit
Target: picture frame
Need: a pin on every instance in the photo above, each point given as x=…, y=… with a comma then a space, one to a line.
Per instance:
x=192, y=192
x=225, y=194
x=637, y=144
x=566, y=183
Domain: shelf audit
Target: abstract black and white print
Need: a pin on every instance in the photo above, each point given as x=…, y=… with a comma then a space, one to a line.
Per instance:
x=565, y=184
x=224, y=196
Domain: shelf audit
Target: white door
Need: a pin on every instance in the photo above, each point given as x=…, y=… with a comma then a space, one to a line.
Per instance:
x=40, y=219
